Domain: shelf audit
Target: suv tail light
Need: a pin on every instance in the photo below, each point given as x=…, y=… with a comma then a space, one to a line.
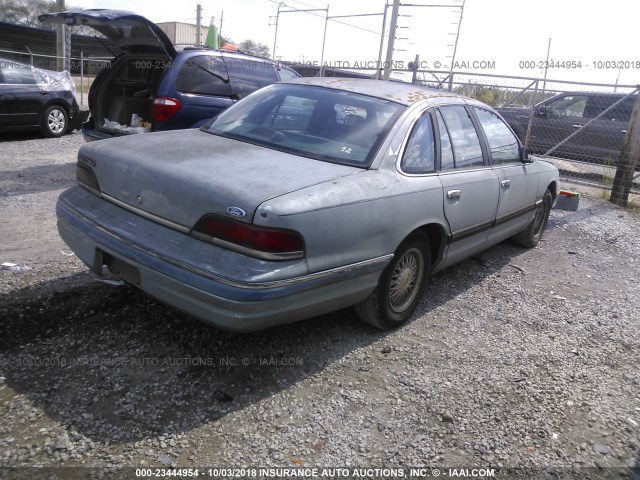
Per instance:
x=260, y=242
x=164, y=108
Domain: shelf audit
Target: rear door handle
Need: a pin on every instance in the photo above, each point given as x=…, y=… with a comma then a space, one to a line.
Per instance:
x=577, y=126
x=505, y=183
x=454, y=193
x=623, y=131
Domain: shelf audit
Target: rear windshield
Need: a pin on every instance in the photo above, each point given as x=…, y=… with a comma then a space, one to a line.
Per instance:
x=315, y=122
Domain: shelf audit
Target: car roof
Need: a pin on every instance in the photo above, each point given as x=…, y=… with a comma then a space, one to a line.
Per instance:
x=239, y=55
x=404, y=93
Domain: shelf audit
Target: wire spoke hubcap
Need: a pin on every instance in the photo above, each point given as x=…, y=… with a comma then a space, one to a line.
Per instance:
x=406, y=279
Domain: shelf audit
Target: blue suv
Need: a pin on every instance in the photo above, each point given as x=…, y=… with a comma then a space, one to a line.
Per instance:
x=149, y=86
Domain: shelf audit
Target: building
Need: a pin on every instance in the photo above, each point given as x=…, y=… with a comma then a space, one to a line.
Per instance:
x=184, y=34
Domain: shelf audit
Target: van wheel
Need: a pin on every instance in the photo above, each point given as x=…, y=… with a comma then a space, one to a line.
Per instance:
x=54, y=123
x=531, y=235
x=401, y=286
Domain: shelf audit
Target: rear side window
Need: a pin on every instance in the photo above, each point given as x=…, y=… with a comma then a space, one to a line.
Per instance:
x=502, y=142
x=248, y=75
x=464, y=138
x=621, y=112
x=419, y=155
x=287, y=74
x=204, y=75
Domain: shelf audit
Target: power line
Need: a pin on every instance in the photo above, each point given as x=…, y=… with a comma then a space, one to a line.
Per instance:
x=331, y=19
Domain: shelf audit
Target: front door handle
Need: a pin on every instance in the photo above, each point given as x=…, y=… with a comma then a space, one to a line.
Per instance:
x=454, y=193
x=577, y=126
x=623, y=131
x=505, y=183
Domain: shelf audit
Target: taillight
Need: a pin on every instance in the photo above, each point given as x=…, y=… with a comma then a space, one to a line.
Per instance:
x=164, y=108
x=87, y=178
x=261, y=242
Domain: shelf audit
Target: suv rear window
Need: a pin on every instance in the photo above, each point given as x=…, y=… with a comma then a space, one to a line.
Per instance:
x=204, y=75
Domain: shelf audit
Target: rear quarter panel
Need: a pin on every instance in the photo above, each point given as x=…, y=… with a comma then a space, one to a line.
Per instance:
x=356, y=218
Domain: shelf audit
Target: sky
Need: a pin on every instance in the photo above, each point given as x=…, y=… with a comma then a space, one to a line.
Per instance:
x=500, y=37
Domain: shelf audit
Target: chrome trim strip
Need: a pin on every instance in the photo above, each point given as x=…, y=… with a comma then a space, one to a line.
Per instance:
x=226, y=281
x=147, y=215
x=515, y=214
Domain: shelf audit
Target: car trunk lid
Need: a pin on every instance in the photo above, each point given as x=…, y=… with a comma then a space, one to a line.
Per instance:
x=180, y=176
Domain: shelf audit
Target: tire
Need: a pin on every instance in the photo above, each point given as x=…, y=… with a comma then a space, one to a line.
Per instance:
x=531, y=235
x=55, y=121
x=401, y=286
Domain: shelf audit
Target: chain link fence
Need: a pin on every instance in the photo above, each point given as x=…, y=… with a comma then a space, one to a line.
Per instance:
x=579, y=127
x=83, y=69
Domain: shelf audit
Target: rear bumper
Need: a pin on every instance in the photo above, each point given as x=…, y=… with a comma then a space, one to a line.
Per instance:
x=91, y=133
x=226, y=301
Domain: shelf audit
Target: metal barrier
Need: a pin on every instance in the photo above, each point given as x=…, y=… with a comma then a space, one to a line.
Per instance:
x=580, y=127
x=83, y=69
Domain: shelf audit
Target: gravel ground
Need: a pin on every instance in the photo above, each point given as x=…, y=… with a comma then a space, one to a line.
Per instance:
x=516, y=359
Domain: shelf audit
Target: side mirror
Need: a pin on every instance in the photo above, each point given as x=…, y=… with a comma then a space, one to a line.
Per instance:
x=542, y=111
x=524, y=155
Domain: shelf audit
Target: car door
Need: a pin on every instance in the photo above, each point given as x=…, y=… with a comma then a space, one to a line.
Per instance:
x=470, y=186
x=555, y=120
x=24, y=96
x=517, y=181
x=601, y=141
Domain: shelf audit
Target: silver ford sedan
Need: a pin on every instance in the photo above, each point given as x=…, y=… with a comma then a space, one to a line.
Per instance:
x=307, y=197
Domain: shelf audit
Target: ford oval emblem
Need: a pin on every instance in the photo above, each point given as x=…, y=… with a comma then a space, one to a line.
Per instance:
x=236, y=212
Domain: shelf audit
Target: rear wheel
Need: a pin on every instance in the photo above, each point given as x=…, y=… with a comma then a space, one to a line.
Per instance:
x=401, y=286
x=54, y=122
x=531, y=235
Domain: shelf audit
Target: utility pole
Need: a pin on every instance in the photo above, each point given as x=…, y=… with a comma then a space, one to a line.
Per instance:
x=220, y=29
x=546, y=66
x=392, y=37
x=384, y=24
x=324, y=41
x=628, y=158
x=61, y=43
x=455, y=48
x=198, y=25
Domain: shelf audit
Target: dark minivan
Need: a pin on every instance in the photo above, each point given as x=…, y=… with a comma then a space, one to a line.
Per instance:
x=601, y=120
x=164, y=88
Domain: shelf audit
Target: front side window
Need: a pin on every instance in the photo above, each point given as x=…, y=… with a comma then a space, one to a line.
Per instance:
x=467, y=151
x=311, y=122
x=18, y=75
x=419, y=154
x=568, y=106
x=503, y=144
x=204, y=75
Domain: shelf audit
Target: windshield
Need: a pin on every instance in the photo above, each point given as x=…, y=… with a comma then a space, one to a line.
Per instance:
x=315, y=122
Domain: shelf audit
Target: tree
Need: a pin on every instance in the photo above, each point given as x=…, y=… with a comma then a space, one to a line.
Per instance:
x=25, y=12
x=255, y=48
